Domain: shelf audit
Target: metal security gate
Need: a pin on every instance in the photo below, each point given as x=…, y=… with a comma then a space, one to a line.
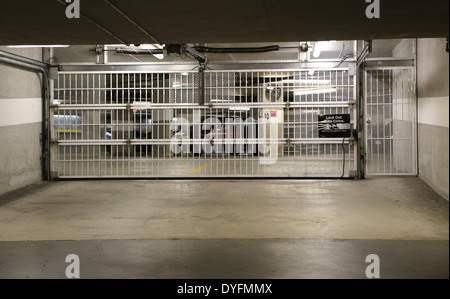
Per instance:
x=390, y=98
x=150, y=124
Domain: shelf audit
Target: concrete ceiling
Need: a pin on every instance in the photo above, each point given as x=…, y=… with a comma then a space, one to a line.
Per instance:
x=218, y=21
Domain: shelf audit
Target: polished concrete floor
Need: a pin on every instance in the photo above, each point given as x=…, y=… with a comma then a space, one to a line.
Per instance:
x=225, y=229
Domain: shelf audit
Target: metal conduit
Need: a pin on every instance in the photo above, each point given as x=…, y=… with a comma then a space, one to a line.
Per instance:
x=25, y=60
x=40, y=67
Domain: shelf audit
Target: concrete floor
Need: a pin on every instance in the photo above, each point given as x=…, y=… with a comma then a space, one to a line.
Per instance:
x=225, y=229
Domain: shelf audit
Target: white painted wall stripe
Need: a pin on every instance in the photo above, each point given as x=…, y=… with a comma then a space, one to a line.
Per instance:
x=20, y=111
x=434, y=111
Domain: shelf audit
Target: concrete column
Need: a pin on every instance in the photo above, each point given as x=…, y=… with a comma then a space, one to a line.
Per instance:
x=433, y=113
x=20, y=123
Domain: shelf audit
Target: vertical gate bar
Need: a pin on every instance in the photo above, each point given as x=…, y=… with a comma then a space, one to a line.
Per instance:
x=91, y=90
x=157, y=127
x=102, y=127
x=341, y=87
x=113, y=93
x=384, y=117
x=52, y=148
x=67, y=157
x=109, y=124
x=391, y=128
x=371, y=124
x=364, y=125
x=90, y=159
x=70, y=154
x=356, y=120
x=402, y=118
x=84, y=126
x=414, y=118
x=137, y=129
x=121, y=130
x=377, y=97
x=410, y=119
x=154, y=128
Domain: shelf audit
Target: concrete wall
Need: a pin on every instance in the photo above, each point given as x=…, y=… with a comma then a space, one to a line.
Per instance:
x=433, y=110
x=20, y=123
x=403, y=114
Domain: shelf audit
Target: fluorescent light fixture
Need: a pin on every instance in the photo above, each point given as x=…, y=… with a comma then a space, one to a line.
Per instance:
x=176, y=85
x=239, y=109
x=317, y=49
x=314, y=91
x=158, y=46
x=220, y=101
x=307, y=81
x=185, y=74
x=159, y=56
x=37, y=46
x=153, y=47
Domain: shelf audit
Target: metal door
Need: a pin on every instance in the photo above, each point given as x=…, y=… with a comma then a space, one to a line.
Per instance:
x=390, y=100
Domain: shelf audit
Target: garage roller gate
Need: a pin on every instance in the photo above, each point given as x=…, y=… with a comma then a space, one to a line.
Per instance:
x=150, y=125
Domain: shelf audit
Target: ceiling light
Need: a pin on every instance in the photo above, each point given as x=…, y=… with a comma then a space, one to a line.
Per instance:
x=317, y=49
x=220, y=101
x=159, y=56
x=38, y=46
x=307, y=81
x=153, y=47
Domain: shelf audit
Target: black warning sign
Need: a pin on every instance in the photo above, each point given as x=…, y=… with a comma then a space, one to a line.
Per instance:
x=334, y=126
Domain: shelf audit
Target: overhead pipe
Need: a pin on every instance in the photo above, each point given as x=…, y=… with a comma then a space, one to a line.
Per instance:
x=139, y=51
x=201, y=49
x=24, y=65
x=25, y=60
x=366, y=51
x=237, y=50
